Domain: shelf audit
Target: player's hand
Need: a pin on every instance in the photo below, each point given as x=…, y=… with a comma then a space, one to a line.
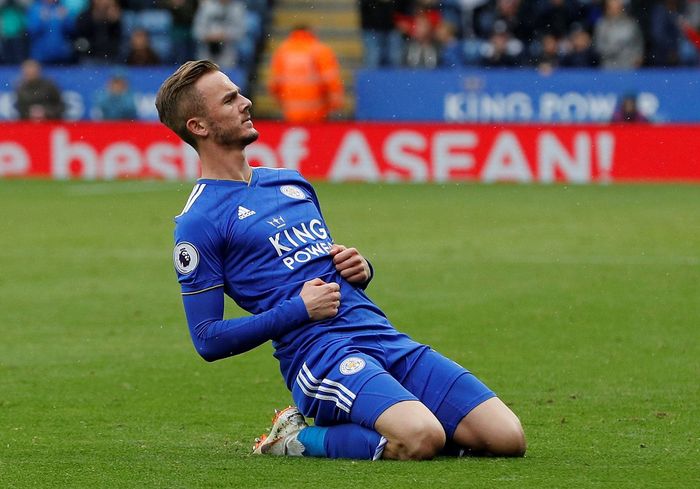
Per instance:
x=351, y=265
x=321, y=299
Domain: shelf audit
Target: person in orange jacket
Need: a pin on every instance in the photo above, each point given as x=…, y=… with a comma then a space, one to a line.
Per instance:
x=305, y=78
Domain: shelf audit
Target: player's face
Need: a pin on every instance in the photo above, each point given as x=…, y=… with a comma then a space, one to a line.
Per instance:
x=228, y=117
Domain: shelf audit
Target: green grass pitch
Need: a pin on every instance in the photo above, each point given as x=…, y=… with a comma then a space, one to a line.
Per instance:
x=579, y=305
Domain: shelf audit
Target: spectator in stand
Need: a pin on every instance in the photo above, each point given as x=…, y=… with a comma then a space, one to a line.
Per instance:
x=556, y=17
x=550, y=55
x=690, y=45
x=461, y=14
x=218, y=24
x=141, y=53
x=691, y=33
x=627, y=110
x=468, y=18
x=383, y=44
x=450, y=49
x=418, y=26
x=422, y=49
x=517, y=15
x=37, y=97
x=13, y=26
x=116, y=102
x=618, y=39
x=665, y=34
x=502, y=50
x=183, y=12
x=580, y=53
x=305, y=78
x=98, y=31
x=50, y=27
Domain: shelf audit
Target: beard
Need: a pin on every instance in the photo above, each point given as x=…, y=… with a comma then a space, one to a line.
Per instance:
x=251, y=137
x=230, y=138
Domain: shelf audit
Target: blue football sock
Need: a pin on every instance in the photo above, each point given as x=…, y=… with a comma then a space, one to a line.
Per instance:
x=313, y=440
x=342, y=441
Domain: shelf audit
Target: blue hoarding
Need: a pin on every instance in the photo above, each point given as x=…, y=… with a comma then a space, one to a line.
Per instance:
x=79, y=86
x=578, y=96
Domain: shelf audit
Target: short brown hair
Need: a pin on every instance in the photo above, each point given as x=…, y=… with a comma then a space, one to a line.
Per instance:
x=177, y=101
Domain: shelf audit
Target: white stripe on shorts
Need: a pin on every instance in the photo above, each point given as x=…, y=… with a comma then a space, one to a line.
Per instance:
x=327, y=390
x=335, y=392
x=311, y=377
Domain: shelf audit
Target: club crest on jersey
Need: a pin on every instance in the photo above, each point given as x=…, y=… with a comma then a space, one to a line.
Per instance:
x=185, y=257
x=293, y=191
x=352, y=365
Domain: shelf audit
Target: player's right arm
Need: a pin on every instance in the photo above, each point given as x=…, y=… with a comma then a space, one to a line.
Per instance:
x=215, y=338
x=199, y=256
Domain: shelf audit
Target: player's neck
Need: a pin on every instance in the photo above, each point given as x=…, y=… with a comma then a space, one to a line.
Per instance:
x=225, y=165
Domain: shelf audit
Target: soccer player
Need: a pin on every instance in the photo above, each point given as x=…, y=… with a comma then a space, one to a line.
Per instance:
x=258, y=236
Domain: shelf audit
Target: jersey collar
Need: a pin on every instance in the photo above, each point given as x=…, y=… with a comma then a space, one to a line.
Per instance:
x=231, y=183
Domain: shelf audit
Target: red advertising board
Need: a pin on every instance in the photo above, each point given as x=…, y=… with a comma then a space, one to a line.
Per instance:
x=367, y=152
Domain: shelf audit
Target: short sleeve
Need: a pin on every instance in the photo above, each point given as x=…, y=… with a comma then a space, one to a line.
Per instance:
x=197, y=255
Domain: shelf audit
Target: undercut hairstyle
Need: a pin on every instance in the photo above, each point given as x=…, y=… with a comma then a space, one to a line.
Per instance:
x=177, y=99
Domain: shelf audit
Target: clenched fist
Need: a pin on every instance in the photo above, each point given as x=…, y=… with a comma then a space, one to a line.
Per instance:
x=321, y=299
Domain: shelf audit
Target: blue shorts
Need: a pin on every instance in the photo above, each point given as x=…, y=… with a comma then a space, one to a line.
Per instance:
x=355, y=382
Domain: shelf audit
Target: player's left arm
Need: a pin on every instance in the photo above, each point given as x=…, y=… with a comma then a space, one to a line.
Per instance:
x=351, y=265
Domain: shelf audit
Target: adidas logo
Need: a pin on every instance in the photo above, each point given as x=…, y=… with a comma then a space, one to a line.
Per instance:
x=243, y=212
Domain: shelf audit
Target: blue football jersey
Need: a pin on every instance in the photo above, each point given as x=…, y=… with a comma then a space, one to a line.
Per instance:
x=261, y=241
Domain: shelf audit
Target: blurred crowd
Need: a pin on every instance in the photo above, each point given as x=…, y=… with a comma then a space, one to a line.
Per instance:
x=610, y=34
x=544, y=34
x=622, y=34
x=132, y=32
